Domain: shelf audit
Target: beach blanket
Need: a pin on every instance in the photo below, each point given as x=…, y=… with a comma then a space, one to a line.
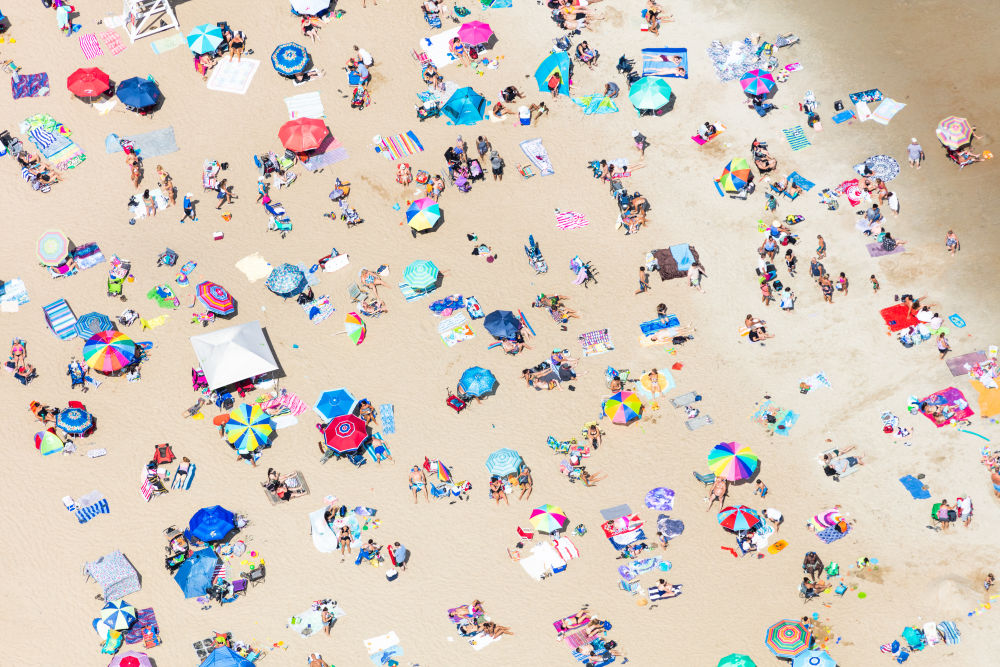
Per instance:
x=656, y=594
x=147, y=144
x=669, y=528
x=733, y=60
x=69, y=155
x=817, y=381
x=144, y=617
x=411, y=294
x=596, y=342
x=398, y=146
x=88, y=256
x=90, y=46
x=30, y=85
x=310, y=622
x=843, y=116
x=254, y=267
x=47, y=143
x=183, y=482
x=915, y=487
x=829, y=535
x=898, y=317
x=230, y=76
x=168, y=43
x=570, y=220
x=113, y=41
x=318, y=309
x=957, y=365
x=14, y=291
x=951, y=398
x=329, y=152
x=595, y=104
x=660, y=498
x=306, y=105
x=387, y=415
x=497, y=4
x=852, y=189
x=802, y=182
x=90, y=506
x=436, y=47
x=455, y=329
x=885, y=111
x=796, y=137
x=61, y=319
x=616, y=512
x=139, y=210
x=652, y=326
x=669, y=267
x=873, y=95
x=634, y=568
x=543, y=559
x=719, y=129
x=538, y=156
x=665, y=62
x=876, y=250
x=565, y=548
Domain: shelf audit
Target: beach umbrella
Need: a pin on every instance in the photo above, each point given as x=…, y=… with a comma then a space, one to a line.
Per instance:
x=91, y=323
x=502, y=324
x=310, y=7
x=660, y=498
x=216, y=298
x=248, y=428
x=738, y=518
x=475, y=33
x=758, y=82
x=333, y=403
x=75, y=421
x=623, y=407
x=732, y=461
x=465, y=107
x=421, y=274
x=787, y=638
x=130, y=659
x=345, y=433
x=53, y=247
x=109, y=351
x=548, y=519
x=555, y=64
x=211, y=523
x=197, y=572
x=303, y=134
x=286, y=280
x=954, y=132
x=737, y=660
x=423, y=214
x=48, y=442
x=735, y=175
x=648, y=93
x=503, y=462
x=814, y=658
x=224, y=656
x=88, y=82
x=355, y=328
x=289, y=59
x=477, y=381
x=204, y=38
x=118, y=615
x=138, y=92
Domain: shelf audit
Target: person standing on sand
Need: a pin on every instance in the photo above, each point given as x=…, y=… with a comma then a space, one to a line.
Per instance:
x=188, y=208
x=719, y=490
x=942, y=345
x=643, y=280
x=820, y=247
x=915, y=152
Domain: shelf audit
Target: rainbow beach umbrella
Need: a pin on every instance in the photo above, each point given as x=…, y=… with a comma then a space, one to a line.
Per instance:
x=248, y=428
x=548, y=519
x=354, y=326
x=787, y=638
x=53, y=246
x=48, y=442
x=758, y=82
x=954, y=132
x=732, y=461
x=735, y=176
x=423, y=214
x=738, y=518
x=109, y=351
x=623, y=407
x=216, y=298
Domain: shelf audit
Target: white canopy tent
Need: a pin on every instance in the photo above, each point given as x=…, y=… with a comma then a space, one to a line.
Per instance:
x=147, y=17
x=233, y=354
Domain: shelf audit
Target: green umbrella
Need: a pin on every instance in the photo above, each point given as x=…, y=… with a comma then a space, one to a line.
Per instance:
x=649, y=93
x=420, y=274
x=737, y=660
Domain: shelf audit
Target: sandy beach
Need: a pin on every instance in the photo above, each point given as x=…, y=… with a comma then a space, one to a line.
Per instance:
x=459, y=551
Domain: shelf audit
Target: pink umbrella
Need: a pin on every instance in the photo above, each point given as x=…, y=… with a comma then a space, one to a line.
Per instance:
x=130, y=659
x=758, y=82
x=475, y=33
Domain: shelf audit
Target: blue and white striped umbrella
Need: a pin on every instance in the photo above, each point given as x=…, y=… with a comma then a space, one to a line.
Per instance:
x=421, y=274
x=92, y=323
x=286, y=280
x=503, y=462
x=118, y=615
x=204, y=38
x=74, y=421
x=477, y=381
x=289, y=59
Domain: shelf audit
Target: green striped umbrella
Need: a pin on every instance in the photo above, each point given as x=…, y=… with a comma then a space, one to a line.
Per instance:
x=421, y=274
x=737, y=660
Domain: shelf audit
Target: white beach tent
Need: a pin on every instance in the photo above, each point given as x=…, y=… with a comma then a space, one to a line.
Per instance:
x=233, y=354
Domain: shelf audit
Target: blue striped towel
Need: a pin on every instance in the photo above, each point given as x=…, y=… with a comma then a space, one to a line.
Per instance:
x=796, y=177
x=387, y=414
x=796, y=137
x=43, y=138
x=91, y=505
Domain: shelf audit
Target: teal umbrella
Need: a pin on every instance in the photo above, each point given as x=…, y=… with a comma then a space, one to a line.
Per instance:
x=649, y=93
x=421, y=274
x=204, y=38
x=503, y=462
x=465, y=107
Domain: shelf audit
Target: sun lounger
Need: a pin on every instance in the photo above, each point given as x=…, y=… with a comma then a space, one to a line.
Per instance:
x=706, y=479
x=684, y=400
x=697, y=422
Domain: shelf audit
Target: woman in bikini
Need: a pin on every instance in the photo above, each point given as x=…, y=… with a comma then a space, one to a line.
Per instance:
x=344, y=539
x=236, y=45
x=457, y=49
x=594, y=433
x=18, y=353
x=497, y=491
x=591, y=479
x=495, y=631
x=654, y=382
x=524, y=481
x=370, y=278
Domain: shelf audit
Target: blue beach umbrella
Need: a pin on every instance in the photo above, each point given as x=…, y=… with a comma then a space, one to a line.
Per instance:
x=118, y=615
x=465, y=107
x=138, y=92
x=211, y=523
x=196, y=573
x=204, y=38
x=74, y=421
x=286, y=280
x=503, y=462
x=289, y=59
x=649, y=93
x=554, y=64
x=334, y=403
x=421, y=274
x=92, y=323
x=477, y=381
x=814, y=658
x=502, y=324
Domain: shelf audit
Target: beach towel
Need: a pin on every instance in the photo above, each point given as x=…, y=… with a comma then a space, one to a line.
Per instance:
x=596, y=342
x=498, y=4
x=61, y=319
x=90, y=506
x=949, y=632
x=593, y=104
x=660, y=498
x=952, y=398
x=147, y=144
x=167, y=43
x=324, y=539
x=398, y=146
x=90, y=46
x=733, y=60
x=306, y=105
x=656, y=594
x=183, y=482
x=665, y=62
x=843, y=116
x=683, y=257
x=829, y=535
x=719, y=129
x=636, y=567
x=873, y=95
x=310, y=622
x=318, y=309
x=957, y=365
x=139, y=210
x=411, y=294
x=30, y=85
x=565, y=548
x=88, y=256
x=817, y=381
x=669, y=528
x=652, y=326
x=143, y=618
x=436, y=47
x=570, y=220
x=915, y=487
x=885, y=111
x=538, y=156
x=616, y=512
x=230, y=76
x=13, y=291
x=387, y=415
x=876, y=250
x=113, y=41
x=329, y=152
x=47, y=143
x=254, y=267
x=455, y=329
x=852, y=189
x=799, y=180
x=898, y=317
x=796, y=137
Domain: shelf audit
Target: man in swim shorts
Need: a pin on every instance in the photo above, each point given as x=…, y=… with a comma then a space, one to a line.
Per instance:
x=418, y=481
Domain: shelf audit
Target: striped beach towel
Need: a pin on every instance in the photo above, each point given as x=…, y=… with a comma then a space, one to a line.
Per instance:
x=144, y=617
x=146, y=490
x=42, y=138
x=61, y=319
x=796, y=137
x=90, y=506
x=90, y=46
x=113, y=41
x=306, y=105
x=398, y=146
x=571, y=220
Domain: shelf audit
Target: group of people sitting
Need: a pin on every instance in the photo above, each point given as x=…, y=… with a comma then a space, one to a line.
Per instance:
x=232, y=41
x=551, y=373
x=284, y=487
x=38, y=174
x=471, y=620
x=574, y=15
x=556, y=305
x=498, y=485
x=593, y=647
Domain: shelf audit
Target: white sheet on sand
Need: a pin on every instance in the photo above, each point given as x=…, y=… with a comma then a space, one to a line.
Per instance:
x=310, y=622
x=230, y=76
x=254, y=267
x=382, y=642
x=324, y=539
x=565, y=548
x=543, y=558
x=335, y=263
x=437, y=47
x=306, y=105
x=139, y=210
x=862, y=111
x=482, y=640
x=538, y=156
x=885, y=111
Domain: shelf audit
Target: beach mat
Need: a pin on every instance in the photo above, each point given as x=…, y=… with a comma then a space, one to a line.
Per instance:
x=697, y=422
x=30, y=85
x=149, y=144
x=168, y=43
x=113, y=41
x=898, y=317
x=843, y=116
x=885, y=111
x=436, y=47
x=329, y=152
x=274, y=500
x=612, y=513
x=254, y=267
x=570, y=220
x=387, y=415
x=319, y=309
x=90, y=46
x=829, y=535
x=957, y=364
x=538, y=156
x=306, y=105
x=399, y=146
x=230, y=76
x=796, y=138
x=143, y=618
x=915, y=487
x=801, y=181
x=876, y=250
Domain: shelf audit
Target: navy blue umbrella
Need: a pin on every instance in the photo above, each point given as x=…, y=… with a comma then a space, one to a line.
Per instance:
x=290, y=59
x=211, y=523
x=196, y=573
x=502, y=324
x=138, y=92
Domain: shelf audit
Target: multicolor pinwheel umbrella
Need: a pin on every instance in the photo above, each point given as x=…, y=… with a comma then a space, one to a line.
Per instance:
x=333, y=403
x=623, y=407
x=737, y=660
x=477, y=381
x=88, y=82
x=75, y=421
x=787, y=638
x=423, y=214
x=738, y=518
x=355, y=328
x=204, y=38
x=216, y=298
x=504, y=462
x=303, y=134
x=548, y=519
x=758, y=82
x=475, y=33
x=649, y=93
x=248, y=428
x=735, y=175
x=286, y=280
x=345, y=434
x=109, y=351
x=421, y=274
x=289, y=59
x=814, y=658
x=732, y=461
x=53, y=246
x=211, y=523
x=91, y=323
x=118, y=615
x=954, y=132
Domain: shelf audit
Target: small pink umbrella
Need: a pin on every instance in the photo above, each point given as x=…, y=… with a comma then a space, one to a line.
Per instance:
x=130, y=659
x=475, y=33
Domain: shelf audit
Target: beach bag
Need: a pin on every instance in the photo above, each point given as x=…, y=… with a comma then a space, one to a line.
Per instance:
x=840, y=526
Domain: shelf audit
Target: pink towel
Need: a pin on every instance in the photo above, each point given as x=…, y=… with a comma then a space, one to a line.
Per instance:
x=113, y=41
x=91, y=47
x=566, y=549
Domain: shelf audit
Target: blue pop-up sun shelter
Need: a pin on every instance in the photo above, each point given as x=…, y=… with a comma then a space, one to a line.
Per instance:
x=225, y=657
x=196, y=573
x=465, y=107
x=554, y=63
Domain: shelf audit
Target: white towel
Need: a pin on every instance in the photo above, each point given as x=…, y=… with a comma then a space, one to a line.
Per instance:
x=306, y=105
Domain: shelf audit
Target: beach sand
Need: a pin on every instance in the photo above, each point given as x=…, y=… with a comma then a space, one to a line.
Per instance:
x=459, y=550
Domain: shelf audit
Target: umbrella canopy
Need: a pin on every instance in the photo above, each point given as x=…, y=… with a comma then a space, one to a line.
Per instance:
x=290, y=59
x=814, y=658
x=465, y=107
x=954, y=132
x=204, y=38
x=555, y=64
x=475, y=33
x=345, y=433
x=118, y=615
x=735, y=175
x=248, y=428
x=216, y=298
x=738, y=518
x=48, y=442
x=88, y=82
x=196, y=573
x=732, y=461
x=423, y=214
x=787, y=638
x=737, y=660
x=355, y=328
x=333, y=403
x=225, y=657
x=548, y=519
x=75, y=421
x=91, y=323
x=130, y=659
x=623, y=407
x=758, y=82
x=138, y=92
x=421, y=274
x=477, y=381
x=502, y=324
x=286, y=280
x=504, y=462
x=211, y=523
x=53, y=246
x=303, y=134
x=109, y=351
x=310, y=7
x=233, y=354
x=648, y=93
